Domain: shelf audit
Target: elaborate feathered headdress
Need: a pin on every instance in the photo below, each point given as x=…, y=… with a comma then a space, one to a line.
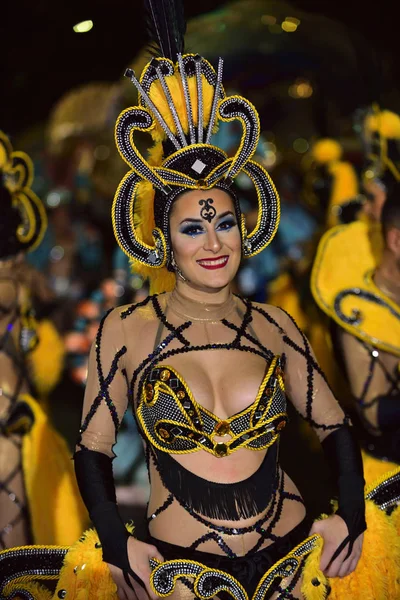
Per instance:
x=181, y=101
x=23, y=217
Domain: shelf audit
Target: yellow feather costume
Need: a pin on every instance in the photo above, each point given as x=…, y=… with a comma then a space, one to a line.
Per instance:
x=57, y=513
x=84, y=576
x=47, y=358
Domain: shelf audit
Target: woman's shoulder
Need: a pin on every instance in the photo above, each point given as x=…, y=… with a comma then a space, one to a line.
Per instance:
x=133, y=316
x=271, y=313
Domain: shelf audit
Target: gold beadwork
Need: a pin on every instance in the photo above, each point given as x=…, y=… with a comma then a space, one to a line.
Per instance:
x=149, y=391
x=221, y=449
x=181, y=394
x=222, y=428
x=164, y=433
x=165, y=375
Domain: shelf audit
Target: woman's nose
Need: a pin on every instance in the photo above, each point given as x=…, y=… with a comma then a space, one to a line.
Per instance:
x=212, y=241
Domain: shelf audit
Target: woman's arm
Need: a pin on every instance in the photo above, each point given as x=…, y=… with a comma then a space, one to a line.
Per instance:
x=309, y=392
x=106, y=399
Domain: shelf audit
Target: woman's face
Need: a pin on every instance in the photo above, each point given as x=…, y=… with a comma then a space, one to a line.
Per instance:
x=205, y=238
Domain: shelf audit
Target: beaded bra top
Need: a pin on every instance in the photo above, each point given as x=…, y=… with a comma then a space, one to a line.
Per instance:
x=173, y=421
x=142, y=350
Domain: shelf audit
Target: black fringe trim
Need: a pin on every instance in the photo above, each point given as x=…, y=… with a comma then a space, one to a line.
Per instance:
x=222, y=501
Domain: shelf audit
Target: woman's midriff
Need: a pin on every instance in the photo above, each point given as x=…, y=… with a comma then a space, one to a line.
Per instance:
x=177, y=526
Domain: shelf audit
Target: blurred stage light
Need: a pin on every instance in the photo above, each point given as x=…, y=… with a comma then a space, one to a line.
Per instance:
x=288, y=26
x=56, y=253
x=300, y=89
x=53, y=199
x=268, y=20
x=101, y=152
x=293, y=20
x=83, y=26
x=269, y=159
x=300, y=145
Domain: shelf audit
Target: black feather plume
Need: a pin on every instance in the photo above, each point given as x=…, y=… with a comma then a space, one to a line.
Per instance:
x=166, y=27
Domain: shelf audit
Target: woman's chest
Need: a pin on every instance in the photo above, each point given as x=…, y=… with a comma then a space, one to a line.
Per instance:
x=219, y=406
x=222, y=382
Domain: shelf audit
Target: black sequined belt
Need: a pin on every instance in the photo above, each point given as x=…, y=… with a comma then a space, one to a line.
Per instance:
x=242, y=576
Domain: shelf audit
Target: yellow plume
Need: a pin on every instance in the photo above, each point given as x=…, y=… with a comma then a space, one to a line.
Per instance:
x=47, y=359
x=386, y=123
x=161, y=280
x=344, y=188
x=175, y=87
x=326, y=150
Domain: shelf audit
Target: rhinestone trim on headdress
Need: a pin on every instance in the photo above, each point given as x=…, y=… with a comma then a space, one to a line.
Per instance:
x=189, y=160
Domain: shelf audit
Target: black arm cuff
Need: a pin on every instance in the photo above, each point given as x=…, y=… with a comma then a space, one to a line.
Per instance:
x=96, y=484
x=344, y=458
x=389, y=412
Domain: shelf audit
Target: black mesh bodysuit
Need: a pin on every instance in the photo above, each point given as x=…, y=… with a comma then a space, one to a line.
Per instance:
x=207, y=385
x=374, y=377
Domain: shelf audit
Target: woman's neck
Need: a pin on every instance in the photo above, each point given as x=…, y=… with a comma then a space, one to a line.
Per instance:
x=200, y=305
x=203, y=296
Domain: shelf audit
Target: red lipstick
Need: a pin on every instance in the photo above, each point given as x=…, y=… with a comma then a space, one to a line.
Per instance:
x=213, y=263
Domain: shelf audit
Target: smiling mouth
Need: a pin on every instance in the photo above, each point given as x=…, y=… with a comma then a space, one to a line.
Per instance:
x=213, y=263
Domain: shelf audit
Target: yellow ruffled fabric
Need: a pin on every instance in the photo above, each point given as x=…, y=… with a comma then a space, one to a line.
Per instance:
x=47, y=359
x=58, y=515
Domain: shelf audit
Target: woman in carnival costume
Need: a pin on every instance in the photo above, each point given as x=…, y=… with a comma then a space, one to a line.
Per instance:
x=355, y=282
x=39, y=500
x=207, y=374
x=331, y=183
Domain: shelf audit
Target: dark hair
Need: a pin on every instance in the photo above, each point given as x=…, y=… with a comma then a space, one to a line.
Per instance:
x=10, y=219
x=390, y=216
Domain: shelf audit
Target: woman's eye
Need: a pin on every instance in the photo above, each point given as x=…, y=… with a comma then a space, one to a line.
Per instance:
x=228, y=224
x=192, y=230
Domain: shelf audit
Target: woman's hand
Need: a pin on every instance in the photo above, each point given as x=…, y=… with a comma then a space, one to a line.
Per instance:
x=334, y=531
x=139, y=555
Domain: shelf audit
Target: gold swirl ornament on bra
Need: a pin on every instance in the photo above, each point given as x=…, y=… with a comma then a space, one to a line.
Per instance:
x=174, y=422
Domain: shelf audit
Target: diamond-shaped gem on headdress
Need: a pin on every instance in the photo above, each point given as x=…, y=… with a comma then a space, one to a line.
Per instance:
x=247, y=245
x=198, y=166
x=153, y=257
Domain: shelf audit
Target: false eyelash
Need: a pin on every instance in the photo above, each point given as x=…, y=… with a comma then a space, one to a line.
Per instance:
x=192, y=230
x=230, y=222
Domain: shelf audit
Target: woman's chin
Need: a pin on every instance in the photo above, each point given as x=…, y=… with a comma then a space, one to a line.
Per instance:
x=216, y=280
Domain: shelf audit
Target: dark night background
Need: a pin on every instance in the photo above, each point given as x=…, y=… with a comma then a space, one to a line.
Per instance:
x=43, y=58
